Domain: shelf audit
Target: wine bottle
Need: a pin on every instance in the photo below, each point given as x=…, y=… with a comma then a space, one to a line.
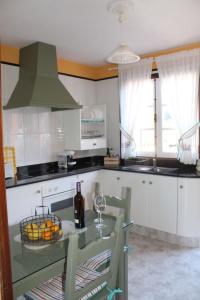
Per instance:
x=79, y=208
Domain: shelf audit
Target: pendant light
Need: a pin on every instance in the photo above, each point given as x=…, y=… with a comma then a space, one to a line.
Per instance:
x=123, y=54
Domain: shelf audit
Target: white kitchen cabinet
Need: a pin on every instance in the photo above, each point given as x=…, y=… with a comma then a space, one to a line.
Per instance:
x=189, y=207
x=85, y=129
x=87, y=187
x=154, y=201
x=111, y=182
x=162, y=203
x=21, y=201
x=139, y=207
x=153, y=198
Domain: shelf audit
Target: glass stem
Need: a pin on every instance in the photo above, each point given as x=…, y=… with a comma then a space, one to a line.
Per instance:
x=100, y=215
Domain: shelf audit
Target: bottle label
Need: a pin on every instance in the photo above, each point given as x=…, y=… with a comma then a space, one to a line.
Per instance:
x=76, y=221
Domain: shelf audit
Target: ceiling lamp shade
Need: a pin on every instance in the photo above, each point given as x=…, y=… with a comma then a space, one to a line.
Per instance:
x=123, y=55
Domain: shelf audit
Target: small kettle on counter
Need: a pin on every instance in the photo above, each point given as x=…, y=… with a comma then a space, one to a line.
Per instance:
x=65, y=159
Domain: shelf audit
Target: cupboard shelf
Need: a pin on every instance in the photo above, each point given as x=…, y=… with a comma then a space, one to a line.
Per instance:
x=85, y=129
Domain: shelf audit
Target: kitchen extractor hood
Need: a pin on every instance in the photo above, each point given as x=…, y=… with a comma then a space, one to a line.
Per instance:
x=38, y=83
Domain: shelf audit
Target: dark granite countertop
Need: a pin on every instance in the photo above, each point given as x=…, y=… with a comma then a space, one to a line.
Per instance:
x=64, y=173
x=175, y=173
x=13, y=182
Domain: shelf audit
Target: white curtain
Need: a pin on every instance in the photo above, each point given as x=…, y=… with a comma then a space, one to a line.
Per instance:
x=133, y=84
x=179, y=78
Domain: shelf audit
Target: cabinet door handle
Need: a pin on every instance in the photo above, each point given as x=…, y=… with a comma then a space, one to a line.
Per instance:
x=181, y=186
x=118, y=178
x=38, y=192
x=143, y=181
x=150, y=182
x=94, y=144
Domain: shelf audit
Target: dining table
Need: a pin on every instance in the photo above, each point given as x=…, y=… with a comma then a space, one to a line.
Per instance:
x=34, y=265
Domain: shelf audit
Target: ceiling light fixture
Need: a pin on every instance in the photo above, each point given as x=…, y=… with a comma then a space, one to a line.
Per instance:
x=123, y=54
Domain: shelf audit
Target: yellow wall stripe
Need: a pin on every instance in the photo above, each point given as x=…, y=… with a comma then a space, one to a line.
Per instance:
x=76, y=69
x=11, y=55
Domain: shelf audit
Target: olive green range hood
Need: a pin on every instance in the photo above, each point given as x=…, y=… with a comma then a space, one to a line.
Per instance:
x=38, y=83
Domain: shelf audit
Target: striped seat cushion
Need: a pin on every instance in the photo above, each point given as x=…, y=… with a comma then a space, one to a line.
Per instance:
x=98, y=261
x=53, y=289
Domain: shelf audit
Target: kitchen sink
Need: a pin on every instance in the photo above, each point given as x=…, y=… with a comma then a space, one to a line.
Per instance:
x=164, y=170
x=150, y=169
x=138, y=168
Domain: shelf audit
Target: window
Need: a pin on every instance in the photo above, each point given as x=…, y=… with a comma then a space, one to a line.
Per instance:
x=167, y=128
x=156, y=129
x=137, y=117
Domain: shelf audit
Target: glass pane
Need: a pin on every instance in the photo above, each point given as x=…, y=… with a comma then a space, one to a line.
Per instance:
x=145, y=141
x=169, y=131
x=167, y=118
x=169, y=140
x=137, y=115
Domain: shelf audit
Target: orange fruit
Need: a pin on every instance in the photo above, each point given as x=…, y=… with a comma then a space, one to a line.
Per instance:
x=49, y=223
x=47, y=235
x=55, y=228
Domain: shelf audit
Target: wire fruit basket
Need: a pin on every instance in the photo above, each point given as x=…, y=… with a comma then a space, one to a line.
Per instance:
x=41, y=229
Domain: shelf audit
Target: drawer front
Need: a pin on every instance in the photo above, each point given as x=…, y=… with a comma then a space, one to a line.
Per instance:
x=88, y=144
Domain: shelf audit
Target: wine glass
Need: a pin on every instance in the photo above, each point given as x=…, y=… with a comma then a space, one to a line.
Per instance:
x=100, y=206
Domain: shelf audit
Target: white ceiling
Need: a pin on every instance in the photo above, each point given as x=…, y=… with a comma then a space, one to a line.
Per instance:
x=85, y=32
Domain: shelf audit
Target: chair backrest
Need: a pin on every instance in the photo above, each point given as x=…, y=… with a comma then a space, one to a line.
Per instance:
x=124, y=202
x=78, y=256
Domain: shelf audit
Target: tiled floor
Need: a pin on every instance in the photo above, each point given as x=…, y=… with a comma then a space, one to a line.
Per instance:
x=162, y=271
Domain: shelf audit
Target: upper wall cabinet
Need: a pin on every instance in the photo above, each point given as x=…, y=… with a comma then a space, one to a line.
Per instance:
x=85, y=129
x=10, y=76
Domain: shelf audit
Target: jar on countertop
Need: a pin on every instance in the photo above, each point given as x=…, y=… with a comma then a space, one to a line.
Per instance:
x=198, y=165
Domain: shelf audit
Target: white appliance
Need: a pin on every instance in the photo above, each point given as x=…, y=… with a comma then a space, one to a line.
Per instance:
x=56, y=196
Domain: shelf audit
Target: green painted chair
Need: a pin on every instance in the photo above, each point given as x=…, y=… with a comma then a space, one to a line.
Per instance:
x=118, y=205
x=80, y=281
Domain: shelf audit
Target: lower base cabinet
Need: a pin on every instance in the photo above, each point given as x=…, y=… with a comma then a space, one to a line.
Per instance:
x=22, y=200
x=162, y=203
x=188, y=207
x=154, y=198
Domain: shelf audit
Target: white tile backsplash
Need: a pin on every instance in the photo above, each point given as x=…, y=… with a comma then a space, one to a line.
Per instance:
x=15, y=122
x=58, y=144
x=57, y=122
x=17, y=141
x=45, y=115
x=32, y=148
x=36, y=133
x=31, y=120
x=45, y=147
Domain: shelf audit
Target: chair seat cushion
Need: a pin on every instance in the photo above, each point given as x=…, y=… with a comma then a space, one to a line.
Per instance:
x=99, y=262
x=53, y=289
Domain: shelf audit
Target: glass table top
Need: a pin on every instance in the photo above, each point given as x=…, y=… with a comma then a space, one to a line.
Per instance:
x=26, y=262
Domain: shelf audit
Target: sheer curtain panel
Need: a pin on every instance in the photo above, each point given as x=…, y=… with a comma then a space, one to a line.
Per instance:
x=179, y=77
x=136, y=92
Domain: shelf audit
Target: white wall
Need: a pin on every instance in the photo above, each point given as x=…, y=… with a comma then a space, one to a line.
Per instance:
x=108, y=93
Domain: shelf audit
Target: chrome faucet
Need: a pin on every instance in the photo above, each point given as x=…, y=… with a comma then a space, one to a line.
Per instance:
x=155, y=163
